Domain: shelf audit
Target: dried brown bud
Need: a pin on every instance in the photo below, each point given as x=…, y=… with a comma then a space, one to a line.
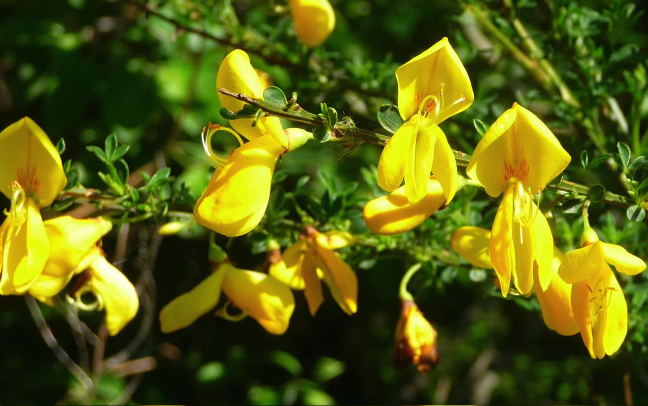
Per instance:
x=416, y=339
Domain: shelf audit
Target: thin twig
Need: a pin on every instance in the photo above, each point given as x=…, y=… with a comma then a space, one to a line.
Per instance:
x=128, y=391
x=148, y=9
x=51, y=342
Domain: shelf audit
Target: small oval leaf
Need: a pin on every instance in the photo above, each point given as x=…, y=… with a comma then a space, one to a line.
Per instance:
x=624, y=154
x=389, y=117
x=636, y=213
x=596, y=193
x=321, y=134
x=584, y=159
x=480, y=127
x=572, y=206
x=275, y=96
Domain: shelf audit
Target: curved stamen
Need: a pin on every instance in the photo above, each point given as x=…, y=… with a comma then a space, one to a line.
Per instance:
x=524, y=210
x=206, y=136
x=18, y=211
x=78, y=302
x=222, y=312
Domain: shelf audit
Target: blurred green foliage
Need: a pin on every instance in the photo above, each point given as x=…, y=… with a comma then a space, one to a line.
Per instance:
x=86, y=69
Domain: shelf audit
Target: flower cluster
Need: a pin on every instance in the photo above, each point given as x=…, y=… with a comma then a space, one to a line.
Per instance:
x=41, y=257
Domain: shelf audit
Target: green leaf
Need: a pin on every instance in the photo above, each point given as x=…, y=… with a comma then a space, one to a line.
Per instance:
x=210, y=373
x=332, y=116
x=596, y=193
x=275, y=96
x=279, y=176
x=572, y=206
x=98, y=152
x=111, y=146
x=480, y=127
x=640, y=161
x=624, y=154
x=322, y=134
x=111, y=183
x=258, y=116
x=227, y=114
x=72, y=178
x=60, y=146
x=643, y=184
x=63, y=204
x=584, y=159
x=328, y=368
x=599, y=160
x=287, y=362
x=348, y=188
x=135, y=196
x=120, y=152
x=302, y=181
x=636, y=213
x=389, y=118
x=556, y=181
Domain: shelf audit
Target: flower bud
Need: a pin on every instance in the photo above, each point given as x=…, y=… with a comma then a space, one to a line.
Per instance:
x=416, y=339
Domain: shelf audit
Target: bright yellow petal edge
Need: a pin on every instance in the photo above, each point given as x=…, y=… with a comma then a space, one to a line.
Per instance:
x=28, y=156
x=393, y=214
x=314, y=20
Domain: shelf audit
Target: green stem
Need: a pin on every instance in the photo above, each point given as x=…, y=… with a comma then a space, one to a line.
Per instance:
x=586, y=223
x=404, y=294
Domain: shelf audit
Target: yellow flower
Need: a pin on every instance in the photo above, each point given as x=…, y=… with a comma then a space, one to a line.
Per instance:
x=393, y=214
x=31, y=175
x=416, y=339
x=113, y=291
x=597, y=299
x=312, y=259
x=472, y=243
x=264, y=298
x=518, y=156
x=238, y=192
x=236, y=74
x=419, y=146
x=73, y=247
x=314, y=20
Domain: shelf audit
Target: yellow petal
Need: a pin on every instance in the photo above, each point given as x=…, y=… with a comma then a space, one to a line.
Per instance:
x=622, y=260
x=601, y=311
x=264, y=298
x=582, y=263
x=186, y=308
x=543, y=249
x=25, y=253
x=517, y=145
x=47, y=285
x=472, y=244
x=334, y=240
x=314, y=20
x=340, y=278
x=288, y=270
x=615, y=325
x=117, y=292
x=70, y=241
x=237, y=75
x=28, y=156
x=313, y=285
x=393, y=214
x=555, y=300
x=524, y=257
x=424, y=75
x=419, y=163
x=395, y=156
x=444, y=165
x=581, y=308
x=236, y=197
x=501, y=248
